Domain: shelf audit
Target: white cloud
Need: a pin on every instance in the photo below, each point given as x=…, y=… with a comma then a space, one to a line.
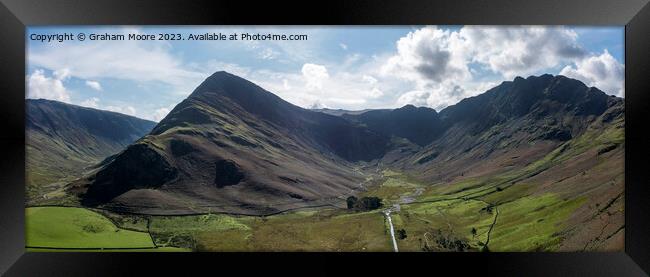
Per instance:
x=416, y=98
x=128, y=60
x=375, y=93
x=128, y=110
x=287, y=51
x=513, y=51
x=285, y=84
x=212, y=66
x=90, y=103
x=267, y=54
x=602, y=71
x=435, y=61
x=428, y=66
x=331, y=85
x=261, y=49
x=61, y=74
x=438, y=98
x=94, y=85
x=433, y=55
x=351, y=60
x=369, y=79
x=429, y=55
x=446, y=66
x=347, y=101
x=315, y=75
x=317, y=105
x=476, y=88
x=159, y=114
x=41, y=86
x=314, y=85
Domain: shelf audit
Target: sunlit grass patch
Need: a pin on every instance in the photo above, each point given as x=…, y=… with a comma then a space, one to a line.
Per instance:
x=532, y=223
x=64, y=227
x=314, y=231
x=457, y=217
x=196, y=223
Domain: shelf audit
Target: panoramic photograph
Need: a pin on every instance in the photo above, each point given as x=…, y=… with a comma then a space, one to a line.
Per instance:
x=324, y=139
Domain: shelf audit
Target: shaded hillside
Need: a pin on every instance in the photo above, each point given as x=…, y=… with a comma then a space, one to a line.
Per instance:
x=232, y=146
x=62, y=140
x=525, y=118
x=340, y=112
x=419, y=125
x=546, y=137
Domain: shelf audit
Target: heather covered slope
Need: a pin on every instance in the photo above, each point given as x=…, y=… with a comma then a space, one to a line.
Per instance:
x=232, y=146
x=511, y=125
x=549, y=146
x=62, y=140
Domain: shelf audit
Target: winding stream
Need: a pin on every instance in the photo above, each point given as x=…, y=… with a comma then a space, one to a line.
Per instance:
x=392, y=230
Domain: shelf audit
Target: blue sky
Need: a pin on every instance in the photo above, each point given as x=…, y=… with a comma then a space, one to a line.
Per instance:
x=336, y=67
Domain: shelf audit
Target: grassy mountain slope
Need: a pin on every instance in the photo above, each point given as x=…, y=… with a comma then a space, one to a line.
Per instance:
x=545, y=153
x=510, y=126
x=63, y=140
x=232, y=146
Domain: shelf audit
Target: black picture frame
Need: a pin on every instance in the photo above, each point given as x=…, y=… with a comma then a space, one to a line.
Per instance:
x=16, y=14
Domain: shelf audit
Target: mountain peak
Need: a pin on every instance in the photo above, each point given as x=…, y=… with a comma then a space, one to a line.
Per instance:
x=225, y=91
x=408, y=107
x=533, y=78
x=221, y=74
x=519, y=97
x=248, y=95
x=411, y=107
x=420, y=125
x=543, y=76
x=219, y=80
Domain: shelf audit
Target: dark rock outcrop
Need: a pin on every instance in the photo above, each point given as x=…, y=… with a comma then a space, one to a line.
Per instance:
x=139, y=166
x=227, y=173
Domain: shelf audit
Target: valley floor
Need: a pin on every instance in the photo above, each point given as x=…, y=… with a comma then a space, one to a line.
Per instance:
x=494, y=214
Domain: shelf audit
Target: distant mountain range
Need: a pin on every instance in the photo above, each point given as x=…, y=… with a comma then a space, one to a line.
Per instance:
x=340, y=112
x=63, y=140
x=232, y=146
x=419, y=125
x=524, y=119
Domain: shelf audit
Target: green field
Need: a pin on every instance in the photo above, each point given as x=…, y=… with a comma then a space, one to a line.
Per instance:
x=157, y=249
x=395, y=185
x=54, y=229
x=323, y=230
x=526, y=224
x=71, y=228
